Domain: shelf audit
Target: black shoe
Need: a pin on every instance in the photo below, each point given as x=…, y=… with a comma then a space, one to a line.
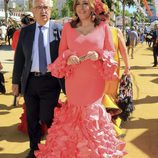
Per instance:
x=31, y=154
x=154, y=65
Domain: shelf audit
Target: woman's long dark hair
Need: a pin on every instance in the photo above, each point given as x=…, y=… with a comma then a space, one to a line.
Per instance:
x=94, y=16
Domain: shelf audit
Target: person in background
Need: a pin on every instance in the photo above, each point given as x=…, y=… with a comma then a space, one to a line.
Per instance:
x=26, y=20
x=2, y=81
x=133, y=41
x=142, y=37
x=111, y=87
x=149, y=38
x=82, y=127
x=10, y=31
x=119, y=44
x=3, y=32
x=155, y=45
x=37, y=47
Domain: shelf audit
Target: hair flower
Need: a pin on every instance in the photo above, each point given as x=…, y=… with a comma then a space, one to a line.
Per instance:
x=100, y=7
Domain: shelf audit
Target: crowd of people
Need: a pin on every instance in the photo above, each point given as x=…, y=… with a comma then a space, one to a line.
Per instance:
x=137, y=35
x=81, y=59
x=6, y=33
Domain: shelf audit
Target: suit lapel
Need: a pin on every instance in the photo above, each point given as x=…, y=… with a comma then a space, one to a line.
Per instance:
x=51, y=38
x=54, y=40
x=31, y=39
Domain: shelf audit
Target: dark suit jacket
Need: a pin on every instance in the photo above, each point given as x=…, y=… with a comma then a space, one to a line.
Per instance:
x=154, y=37
x=23, y=54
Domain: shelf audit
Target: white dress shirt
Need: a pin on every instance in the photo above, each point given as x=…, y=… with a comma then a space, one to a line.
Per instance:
x=35, y=53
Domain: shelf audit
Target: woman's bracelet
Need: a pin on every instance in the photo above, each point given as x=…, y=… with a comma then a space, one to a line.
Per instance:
x=128, y=68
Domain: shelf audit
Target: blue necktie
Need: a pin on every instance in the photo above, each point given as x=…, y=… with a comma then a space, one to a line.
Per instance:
x=42, y=53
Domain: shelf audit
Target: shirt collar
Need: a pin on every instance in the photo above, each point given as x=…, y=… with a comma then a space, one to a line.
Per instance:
x=46, y=26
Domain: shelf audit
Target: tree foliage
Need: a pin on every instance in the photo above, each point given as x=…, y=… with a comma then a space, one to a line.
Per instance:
x=67, y=9
x=70, y=4
x=54, y=13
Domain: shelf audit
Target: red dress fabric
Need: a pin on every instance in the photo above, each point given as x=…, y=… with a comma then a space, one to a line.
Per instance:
x=15, y=39
x=81, y=127
x=22, y=127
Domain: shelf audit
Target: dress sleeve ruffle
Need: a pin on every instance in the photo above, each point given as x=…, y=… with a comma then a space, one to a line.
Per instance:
x=59, y=67
x=67, y=53
x=106, y=65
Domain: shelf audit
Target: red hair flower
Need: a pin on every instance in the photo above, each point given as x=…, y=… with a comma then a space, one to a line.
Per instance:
x=100, y=7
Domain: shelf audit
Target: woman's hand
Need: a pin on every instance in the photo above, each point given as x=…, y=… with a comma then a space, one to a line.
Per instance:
x=1, y=67
x=127, y=70
x=73, y=59
x=92, y=55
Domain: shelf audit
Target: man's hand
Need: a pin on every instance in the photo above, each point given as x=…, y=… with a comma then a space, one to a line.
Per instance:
x=15, y=89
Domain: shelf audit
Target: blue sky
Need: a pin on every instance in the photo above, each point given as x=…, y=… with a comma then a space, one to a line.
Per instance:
x=131, y=9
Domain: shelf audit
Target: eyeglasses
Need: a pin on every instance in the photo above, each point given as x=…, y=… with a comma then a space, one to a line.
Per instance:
x=42, y=7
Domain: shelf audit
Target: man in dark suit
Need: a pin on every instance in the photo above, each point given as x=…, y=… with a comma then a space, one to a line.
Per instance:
x=37, y=47
x=155, y=45
x=2, y=81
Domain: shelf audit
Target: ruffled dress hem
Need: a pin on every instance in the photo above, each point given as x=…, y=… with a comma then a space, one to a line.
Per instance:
x=81, y=132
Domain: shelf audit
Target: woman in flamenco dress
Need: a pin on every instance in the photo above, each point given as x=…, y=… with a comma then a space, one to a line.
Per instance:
x=81, y=127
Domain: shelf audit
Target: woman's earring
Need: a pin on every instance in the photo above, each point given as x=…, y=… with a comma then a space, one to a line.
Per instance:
x=92, y=16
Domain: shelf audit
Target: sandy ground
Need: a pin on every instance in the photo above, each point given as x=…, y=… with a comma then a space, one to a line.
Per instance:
x=141, y=130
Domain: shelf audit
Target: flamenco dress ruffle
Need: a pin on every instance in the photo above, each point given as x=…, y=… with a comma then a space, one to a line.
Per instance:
x=81, y=132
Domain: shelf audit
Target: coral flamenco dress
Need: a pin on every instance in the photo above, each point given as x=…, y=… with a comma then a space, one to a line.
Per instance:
x=81, y=127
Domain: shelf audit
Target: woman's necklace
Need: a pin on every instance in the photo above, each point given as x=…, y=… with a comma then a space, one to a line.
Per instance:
x=85, y=29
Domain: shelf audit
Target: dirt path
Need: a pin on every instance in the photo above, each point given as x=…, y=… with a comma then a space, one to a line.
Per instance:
x=141, y=130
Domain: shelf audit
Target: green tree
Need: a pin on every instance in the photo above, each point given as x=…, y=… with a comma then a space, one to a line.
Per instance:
x=70, y=4
x=109, y=3
x=54, y=13
x=67, y=9
x=124, y=4
x=6, y=9
x=130, y=3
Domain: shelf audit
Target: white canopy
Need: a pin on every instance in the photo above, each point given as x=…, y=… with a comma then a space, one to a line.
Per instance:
x=153, y=24
x=119, y=20
x=2, y=15
x=16, y=18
